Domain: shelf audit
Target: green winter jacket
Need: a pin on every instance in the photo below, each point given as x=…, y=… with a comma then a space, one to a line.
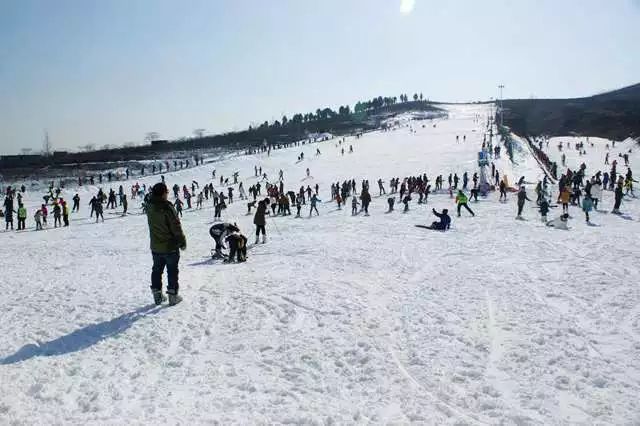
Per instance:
x=165, y=230
x=22, y=213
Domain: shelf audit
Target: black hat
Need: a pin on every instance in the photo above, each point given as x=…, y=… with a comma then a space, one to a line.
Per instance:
x=159, y=189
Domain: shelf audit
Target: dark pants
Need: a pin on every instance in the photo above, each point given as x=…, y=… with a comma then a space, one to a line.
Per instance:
x=170, y=260
x=21, y=223
x=65, y=219
x=520, y=207
x=239, y=249
x=260, y=229
x=616, y=204
x=466, y=207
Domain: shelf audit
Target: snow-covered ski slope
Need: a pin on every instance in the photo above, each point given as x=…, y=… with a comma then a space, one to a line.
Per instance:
x=337, y=319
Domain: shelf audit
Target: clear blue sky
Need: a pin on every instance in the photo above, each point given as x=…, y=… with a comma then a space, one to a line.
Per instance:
x=108, y=71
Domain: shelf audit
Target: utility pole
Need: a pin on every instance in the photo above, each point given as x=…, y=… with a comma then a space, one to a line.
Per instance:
x=46, y=145
x=501, y=87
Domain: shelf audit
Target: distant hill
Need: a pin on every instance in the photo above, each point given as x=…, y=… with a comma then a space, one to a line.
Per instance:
x=613, y=115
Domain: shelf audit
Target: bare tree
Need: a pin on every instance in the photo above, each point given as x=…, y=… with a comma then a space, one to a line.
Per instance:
x=152, y=136
x=198, y=133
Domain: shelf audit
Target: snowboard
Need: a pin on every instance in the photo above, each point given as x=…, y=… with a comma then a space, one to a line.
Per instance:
x=428, y=227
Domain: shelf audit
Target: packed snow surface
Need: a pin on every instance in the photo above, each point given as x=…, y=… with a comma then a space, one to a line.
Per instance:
x=337, y=319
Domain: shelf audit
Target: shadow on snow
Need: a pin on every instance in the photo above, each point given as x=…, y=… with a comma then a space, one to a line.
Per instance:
x=81, y=338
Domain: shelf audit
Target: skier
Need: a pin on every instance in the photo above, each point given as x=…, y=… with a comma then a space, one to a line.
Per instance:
x=76, y=203
x=354, y=206
x=522, y=197
x=313, y=202
x=167, y=238
x=461, y=200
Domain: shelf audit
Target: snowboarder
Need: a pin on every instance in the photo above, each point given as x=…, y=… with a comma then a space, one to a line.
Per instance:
x=444, y=223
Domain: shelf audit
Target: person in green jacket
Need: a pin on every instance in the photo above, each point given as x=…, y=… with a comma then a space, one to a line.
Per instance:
x=167, y=239
x=462, y=199
x=22, y=216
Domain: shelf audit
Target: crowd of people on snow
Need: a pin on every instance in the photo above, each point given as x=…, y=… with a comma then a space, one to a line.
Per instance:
x=164, y=206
